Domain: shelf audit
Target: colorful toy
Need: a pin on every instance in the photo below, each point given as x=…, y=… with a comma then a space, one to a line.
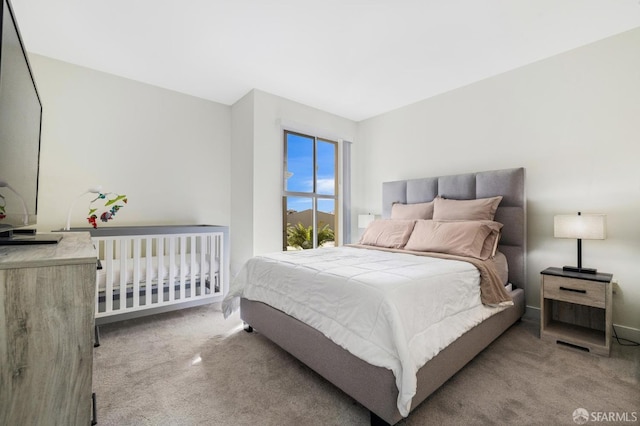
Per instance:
x=108, y=214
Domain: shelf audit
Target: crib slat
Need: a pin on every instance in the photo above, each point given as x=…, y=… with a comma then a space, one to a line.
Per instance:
x=108, y=289
x=192, y=265
x=202, y=241
x=161, y=267
x=213, y=258
x=99, y=247
x=122, y=288
x=216, y=256
x=183, y=266
x=136, y=272
x=221, y=261
x=172, y=272
x=148, y=284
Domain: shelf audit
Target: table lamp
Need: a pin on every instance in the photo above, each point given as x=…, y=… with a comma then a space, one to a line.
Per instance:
x=365, y=219
x=580, y=227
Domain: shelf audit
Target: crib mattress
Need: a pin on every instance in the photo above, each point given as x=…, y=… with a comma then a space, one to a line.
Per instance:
x=157, y=273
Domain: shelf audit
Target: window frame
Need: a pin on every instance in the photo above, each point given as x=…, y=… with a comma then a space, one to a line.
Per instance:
x=314, y=195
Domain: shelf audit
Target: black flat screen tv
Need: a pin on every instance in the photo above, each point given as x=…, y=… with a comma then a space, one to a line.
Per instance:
x=20, y=130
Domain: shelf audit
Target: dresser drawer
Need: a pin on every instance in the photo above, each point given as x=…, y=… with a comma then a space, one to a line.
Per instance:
x=573, y=290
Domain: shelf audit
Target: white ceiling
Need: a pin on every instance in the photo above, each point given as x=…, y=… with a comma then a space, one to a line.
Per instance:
x=353, y=58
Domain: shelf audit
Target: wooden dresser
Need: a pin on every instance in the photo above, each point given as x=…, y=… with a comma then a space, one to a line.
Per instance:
x=47, y=297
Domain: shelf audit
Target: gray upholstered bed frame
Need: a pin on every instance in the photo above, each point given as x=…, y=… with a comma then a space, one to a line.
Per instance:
x=511, y=211
x=374, y=387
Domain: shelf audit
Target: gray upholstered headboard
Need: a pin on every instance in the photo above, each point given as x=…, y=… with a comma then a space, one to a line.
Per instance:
x=512, y=211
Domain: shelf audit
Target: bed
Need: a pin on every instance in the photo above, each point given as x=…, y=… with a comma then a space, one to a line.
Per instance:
x=146, y=270
x=373, y=383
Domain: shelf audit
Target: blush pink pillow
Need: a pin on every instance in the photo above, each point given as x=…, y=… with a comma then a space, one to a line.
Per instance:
x=478, y=209
x=461, y=238
x=390, y=233
x=412, y=211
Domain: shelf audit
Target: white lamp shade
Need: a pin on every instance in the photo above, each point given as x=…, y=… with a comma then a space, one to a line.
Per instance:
x=585, y=227
x=365, y=219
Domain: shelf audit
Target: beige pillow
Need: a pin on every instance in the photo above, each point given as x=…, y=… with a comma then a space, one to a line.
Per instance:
x=390, y=233
x=412, y=211
x=478, y=209
x=461, y=238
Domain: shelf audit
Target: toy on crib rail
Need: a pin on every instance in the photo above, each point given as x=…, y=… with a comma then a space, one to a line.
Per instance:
x=108, y=214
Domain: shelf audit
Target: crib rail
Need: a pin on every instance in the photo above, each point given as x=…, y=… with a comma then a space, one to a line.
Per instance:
x=153, y=271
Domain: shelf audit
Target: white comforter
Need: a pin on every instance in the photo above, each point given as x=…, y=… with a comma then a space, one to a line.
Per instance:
x=393, y=310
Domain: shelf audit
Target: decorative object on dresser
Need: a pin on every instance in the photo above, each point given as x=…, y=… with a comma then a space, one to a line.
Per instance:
x=25, y=212
x=580, y=227
x=46, y=332
x=576, y=309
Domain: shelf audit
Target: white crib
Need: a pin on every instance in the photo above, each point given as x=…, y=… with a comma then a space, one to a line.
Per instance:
x=145, y=270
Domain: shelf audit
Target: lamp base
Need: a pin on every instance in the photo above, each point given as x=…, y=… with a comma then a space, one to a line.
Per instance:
x=579, y=270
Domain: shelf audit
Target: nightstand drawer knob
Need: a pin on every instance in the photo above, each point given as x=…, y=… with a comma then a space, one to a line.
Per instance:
x=575, y=290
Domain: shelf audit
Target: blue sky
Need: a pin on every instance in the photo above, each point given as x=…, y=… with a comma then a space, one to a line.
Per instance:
x=300, y=164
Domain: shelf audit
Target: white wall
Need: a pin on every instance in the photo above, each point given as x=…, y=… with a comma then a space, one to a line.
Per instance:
x=242, y=172
x=270, y=114
x=168, y=152
x=573, y=121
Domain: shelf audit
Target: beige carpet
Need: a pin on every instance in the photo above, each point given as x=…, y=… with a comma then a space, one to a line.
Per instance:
x=192, y=367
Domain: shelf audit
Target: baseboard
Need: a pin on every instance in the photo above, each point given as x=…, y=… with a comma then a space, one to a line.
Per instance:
x=628, y=333
x=533, y=313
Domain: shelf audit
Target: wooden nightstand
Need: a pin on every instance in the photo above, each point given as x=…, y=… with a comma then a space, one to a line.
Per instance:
x=576, y=309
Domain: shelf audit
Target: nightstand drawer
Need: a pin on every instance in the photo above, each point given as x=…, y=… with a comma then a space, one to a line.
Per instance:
x=583, y=292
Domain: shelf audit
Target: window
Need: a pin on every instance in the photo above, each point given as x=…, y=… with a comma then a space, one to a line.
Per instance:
x=310, y=198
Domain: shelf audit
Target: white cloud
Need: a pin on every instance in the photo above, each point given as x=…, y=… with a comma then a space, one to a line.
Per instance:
x=326, y=186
